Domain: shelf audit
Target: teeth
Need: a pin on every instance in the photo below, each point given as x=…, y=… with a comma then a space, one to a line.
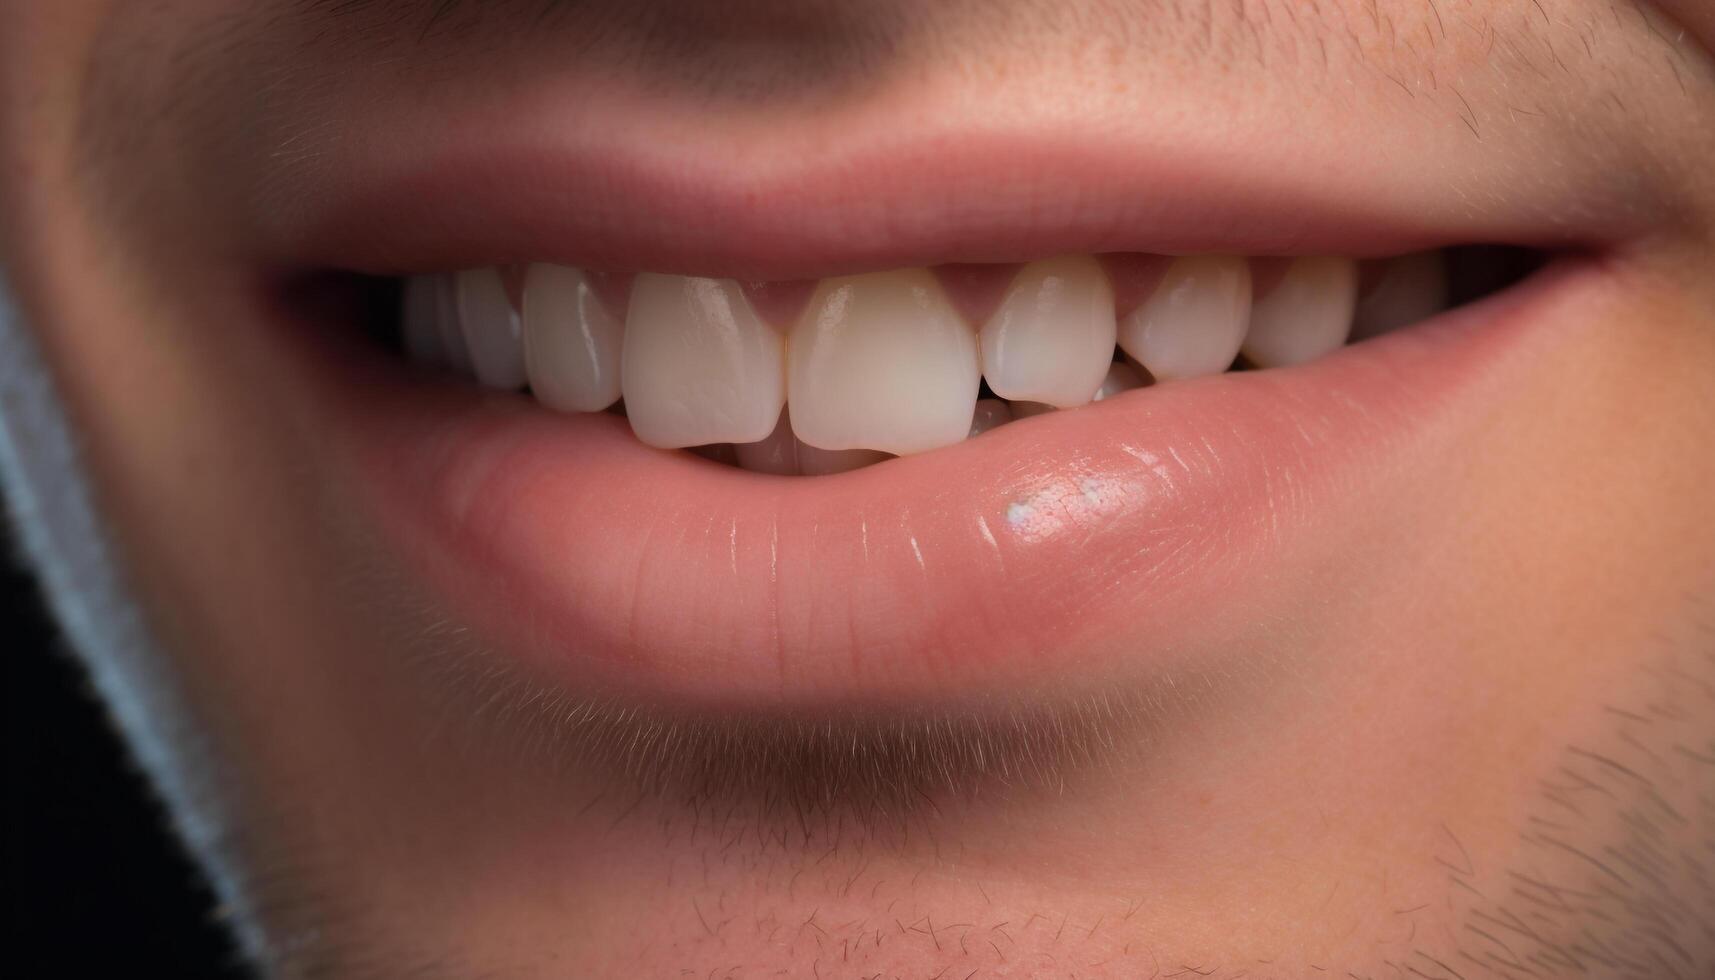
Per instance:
x=1121, y=377
x=1194, y=321
x=420, y=319
x=491, y=329
x=1409, y=289
x=699, y=366
x=991, y=413
x=1052, y=338
x=1306, y=315
x=571, y=341
x=883, y=362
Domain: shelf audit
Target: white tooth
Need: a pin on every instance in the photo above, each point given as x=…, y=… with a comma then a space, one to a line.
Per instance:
x=1306, y=315
x=1024, y=410
x=884, y=362
x=420, y=327
x=491, y=329
x=992, y=413
x=447, y=320
x=777, y=454
x=1410, y=289
x=827, y=462
x=1121, y=377
x=1195, y=320
x=1052, y=338
x=571, y=341
x=698, y=365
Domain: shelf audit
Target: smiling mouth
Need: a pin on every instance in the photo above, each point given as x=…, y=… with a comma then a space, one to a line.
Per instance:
x=1156, y=436
x=821, y=377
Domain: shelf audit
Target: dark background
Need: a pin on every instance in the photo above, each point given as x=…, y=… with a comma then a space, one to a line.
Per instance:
x=96, y=886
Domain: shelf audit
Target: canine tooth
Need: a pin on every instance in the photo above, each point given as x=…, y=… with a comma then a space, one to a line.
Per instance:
x=698, y=366
x=1052, y=338
x=571, y=341
x=1307, y=314
x=991, y=413
x=882, y=361
x=1409, y=289
x=1121, y=377
x=1194, y=321
x=491, y=328
x=420, y=329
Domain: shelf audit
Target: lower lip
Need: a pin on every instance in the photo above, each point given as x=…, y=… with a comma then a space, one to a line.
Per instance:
x=1063, y=548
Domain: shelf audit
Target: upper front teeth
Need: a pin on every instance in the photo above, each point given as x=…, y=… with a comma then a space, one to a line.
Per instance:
x=1052, y=338
x=882, y=361
x=699, y=366
x=886, y=362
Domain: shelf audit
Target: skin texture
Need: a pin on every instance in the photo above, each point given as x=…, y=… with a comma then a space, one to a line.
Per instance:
x=1474, y=737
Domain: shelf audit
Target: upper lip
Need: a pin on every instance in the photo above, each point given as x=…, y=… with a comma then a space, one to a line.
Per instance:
x=595, y=187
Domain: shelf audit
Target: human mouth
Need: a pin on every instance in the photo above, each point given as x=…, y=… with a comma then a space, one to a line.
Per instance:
x=535, y=459
x=896, y=417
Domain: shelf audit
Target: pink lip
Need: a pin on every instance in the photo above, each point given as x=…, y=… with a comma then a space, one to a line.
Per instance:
x=1035, y=553
x=607, y=192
